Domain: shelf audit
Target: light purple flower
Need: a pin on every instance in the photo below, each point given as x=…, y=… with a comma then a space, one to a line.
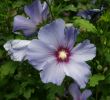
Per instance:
x=53, y=54
x=37, y=13
x=17, y=49
x=92, y=14
x=76, y=94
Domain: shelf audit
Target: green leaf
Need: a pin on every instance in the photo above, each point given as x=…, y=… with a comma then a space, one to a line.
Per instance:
x=11, y=96
x=70, y=8
x=18, y=4
x=108, y=98
x=107, y=80
x=105, y=17
x=84, y=25
x=94, y=80
x=1, y=53
x=7, y=69
x=107, y=57
x=25, y=90
x=53, y=89
x=66, y=0
x=28, y=92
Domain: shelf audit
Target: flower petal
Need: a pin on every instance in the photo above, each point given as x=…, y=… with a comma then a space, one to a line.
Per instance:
x=79, y=72
x=84, y=51
x=71, y=35
x=53, y=72
x=45, y=11
x=84, y=14
x=17, y=49
x=39, y=54
x=89, y=14
x=26, y=25
x=53, y=33
x=74, y=91
x=34, y=11
x=86, y=94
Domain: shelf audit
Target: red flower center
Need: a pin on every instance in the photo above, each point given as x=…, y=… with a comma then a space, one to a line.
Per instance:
x=62, y=54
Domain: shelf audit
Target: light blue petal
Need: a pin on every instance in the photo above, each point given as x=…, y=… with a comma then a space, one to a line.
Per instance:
x=45, y=11
x=79, y=72
x=39, y=54
x=74, y=91
x=70, y=36
x=34, y=11
x=23, y=24
x=53, y=33
x=84, y=51
x=53, y=72
x=86, y=93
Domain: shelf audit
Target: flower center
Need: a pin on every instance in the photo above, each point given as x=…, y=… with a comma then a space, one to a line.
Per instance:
x=62, y=54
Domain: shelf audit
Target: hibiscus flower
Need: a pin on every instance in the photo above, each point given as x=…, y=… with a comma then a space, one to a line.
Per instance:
x=55, y=57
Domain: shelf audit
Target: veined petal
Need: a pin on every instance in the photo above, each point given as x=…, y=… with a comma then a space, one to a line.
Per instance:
x=53, y=72
x=86, y=94
x=84, y=51
x=53, y=33
x=17, y=49
x=79, y=72
x=70, y=36
x=74, y=91
x=24, y=24
x=34, y=11
x=45, y=11
x=39, y=54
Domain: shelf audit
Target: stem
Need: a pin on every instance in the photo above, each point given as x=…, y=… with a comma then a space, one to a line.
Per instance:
x=97, y=93
x=52, y=17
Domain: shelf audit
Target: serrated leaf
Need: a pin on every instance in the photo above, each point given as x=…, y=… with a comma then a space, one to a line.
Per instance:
x=94, y=80
x=7, y=68
x=84, y=25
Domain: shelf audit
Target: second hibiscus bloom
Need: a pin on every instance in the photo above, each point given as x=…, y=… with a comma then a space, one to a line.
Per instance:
x=37, y=13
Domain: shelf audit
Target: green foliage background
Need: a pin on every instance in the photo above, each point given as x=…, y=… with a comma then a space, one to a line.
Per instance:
x=20, y=81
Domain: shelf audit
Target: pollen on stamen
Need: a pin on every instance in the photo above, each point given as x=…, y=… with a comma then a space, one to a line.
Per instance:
x=62, y=54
